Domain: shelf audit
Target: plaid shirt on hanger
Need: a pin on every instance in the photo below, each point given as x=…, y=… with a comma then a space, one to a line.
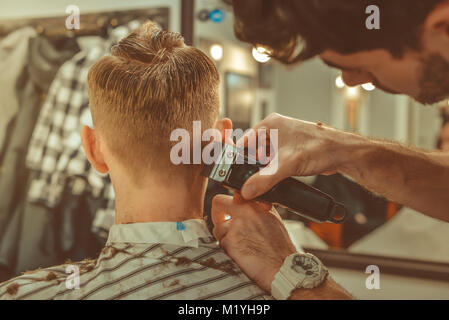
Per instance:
x=55, y=153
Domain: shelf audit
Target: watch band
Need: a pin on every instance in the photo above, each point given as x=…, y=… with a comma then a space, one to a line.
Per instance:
x=281, y=288
x=299, y=270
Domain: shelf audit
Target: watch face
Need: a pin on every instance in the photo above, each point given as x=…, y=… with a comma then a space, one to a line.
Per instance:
x=305, y=264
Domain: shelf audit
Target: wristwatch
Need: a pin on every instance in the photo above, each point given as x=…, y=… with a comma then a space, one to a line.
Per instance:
x=300, y=270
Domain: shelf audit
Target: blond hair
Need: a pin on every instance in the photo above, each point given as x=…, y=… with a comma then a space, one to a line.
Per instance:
x=151, y=84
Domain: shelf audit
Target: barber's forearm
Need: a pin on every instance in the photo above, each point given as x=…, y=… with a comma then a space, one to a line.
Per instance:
x=414, y=178
x=329, y=290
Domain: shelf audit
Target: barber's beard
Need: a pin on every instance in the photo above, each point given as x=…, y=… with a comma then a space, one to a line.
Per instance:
x=434, y=80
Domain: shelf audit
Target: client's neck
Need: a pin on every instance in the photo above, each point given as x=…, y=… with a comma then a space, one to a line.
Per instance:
x=159, y=199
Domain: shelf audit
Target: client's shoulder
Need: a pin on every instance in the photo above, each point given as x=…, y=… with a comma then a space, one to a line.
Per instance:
x=36, y=284
x=205, y=272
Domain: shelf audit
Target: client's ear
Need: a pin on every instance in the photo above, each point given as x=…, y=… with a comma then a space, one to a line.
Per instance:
x=225, y=127
x=91, y=145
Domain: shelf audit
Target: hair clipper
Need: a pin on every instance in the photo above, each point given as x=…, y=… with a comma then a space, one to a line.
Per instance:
x=232, y=169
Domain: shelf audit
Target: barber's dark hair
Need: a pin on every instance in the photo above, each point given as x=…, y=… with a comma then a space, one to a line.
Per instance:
x=338, y=25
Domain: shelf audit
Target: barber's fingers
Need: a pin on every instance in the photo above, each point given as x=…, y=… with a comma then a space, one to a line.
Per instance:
x=238, y=199
x=220, y=230
x=222, y=205
x=265, y=179
x=250, y=135
x=263, y=206
x=255, y=139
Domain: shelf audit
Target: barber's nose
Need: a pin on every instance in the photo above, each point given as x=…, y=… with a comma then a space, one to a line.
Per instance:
x=354, y=78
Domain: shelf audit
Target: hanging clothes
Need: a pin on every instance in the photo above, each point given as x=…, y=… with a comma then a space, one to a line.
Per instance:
x=62, y=178
x=58, y=164
x=13, y=55
x=55, y=152
x=42, y=62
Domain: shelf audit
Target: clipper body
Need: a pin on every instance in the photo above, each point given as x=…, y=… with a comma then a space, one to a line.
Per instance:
x=232, y=168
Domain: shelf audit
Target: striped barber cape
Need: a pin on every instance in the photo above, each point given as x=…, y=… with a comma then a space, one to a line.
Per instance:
x=156, y=260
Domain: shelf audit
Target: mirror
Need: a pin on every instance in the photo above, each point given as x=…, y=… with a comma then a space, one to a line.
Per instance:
x=239, y=99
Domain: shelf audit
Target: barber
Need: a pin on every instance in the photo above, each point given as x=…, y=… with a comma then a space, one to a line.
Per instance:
x=409, y=54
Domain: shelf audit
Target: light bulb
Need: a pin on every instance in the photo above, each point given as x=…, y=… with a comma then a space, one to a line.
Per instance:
x=368, y=86
x=216, y=51
x=339, y=83
x=260, y=54
x=352, y=92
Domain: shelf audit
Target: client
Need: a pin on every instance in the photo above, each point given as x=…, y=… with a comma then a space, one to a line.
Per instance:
x=159, y=247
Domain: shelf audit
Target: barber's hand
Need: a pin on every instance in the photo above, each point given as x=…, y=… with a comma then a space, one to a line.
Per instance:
x=254, y=237
x=304, y=149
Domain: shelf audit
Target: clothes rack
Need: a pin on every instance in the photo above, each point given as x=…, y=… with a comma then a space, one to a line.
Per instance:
x=91, y=24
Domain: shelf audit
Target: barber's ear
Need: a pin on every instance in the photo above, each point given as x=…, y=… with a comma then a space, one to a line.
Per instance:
x=91, y=145
x=225, y=127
